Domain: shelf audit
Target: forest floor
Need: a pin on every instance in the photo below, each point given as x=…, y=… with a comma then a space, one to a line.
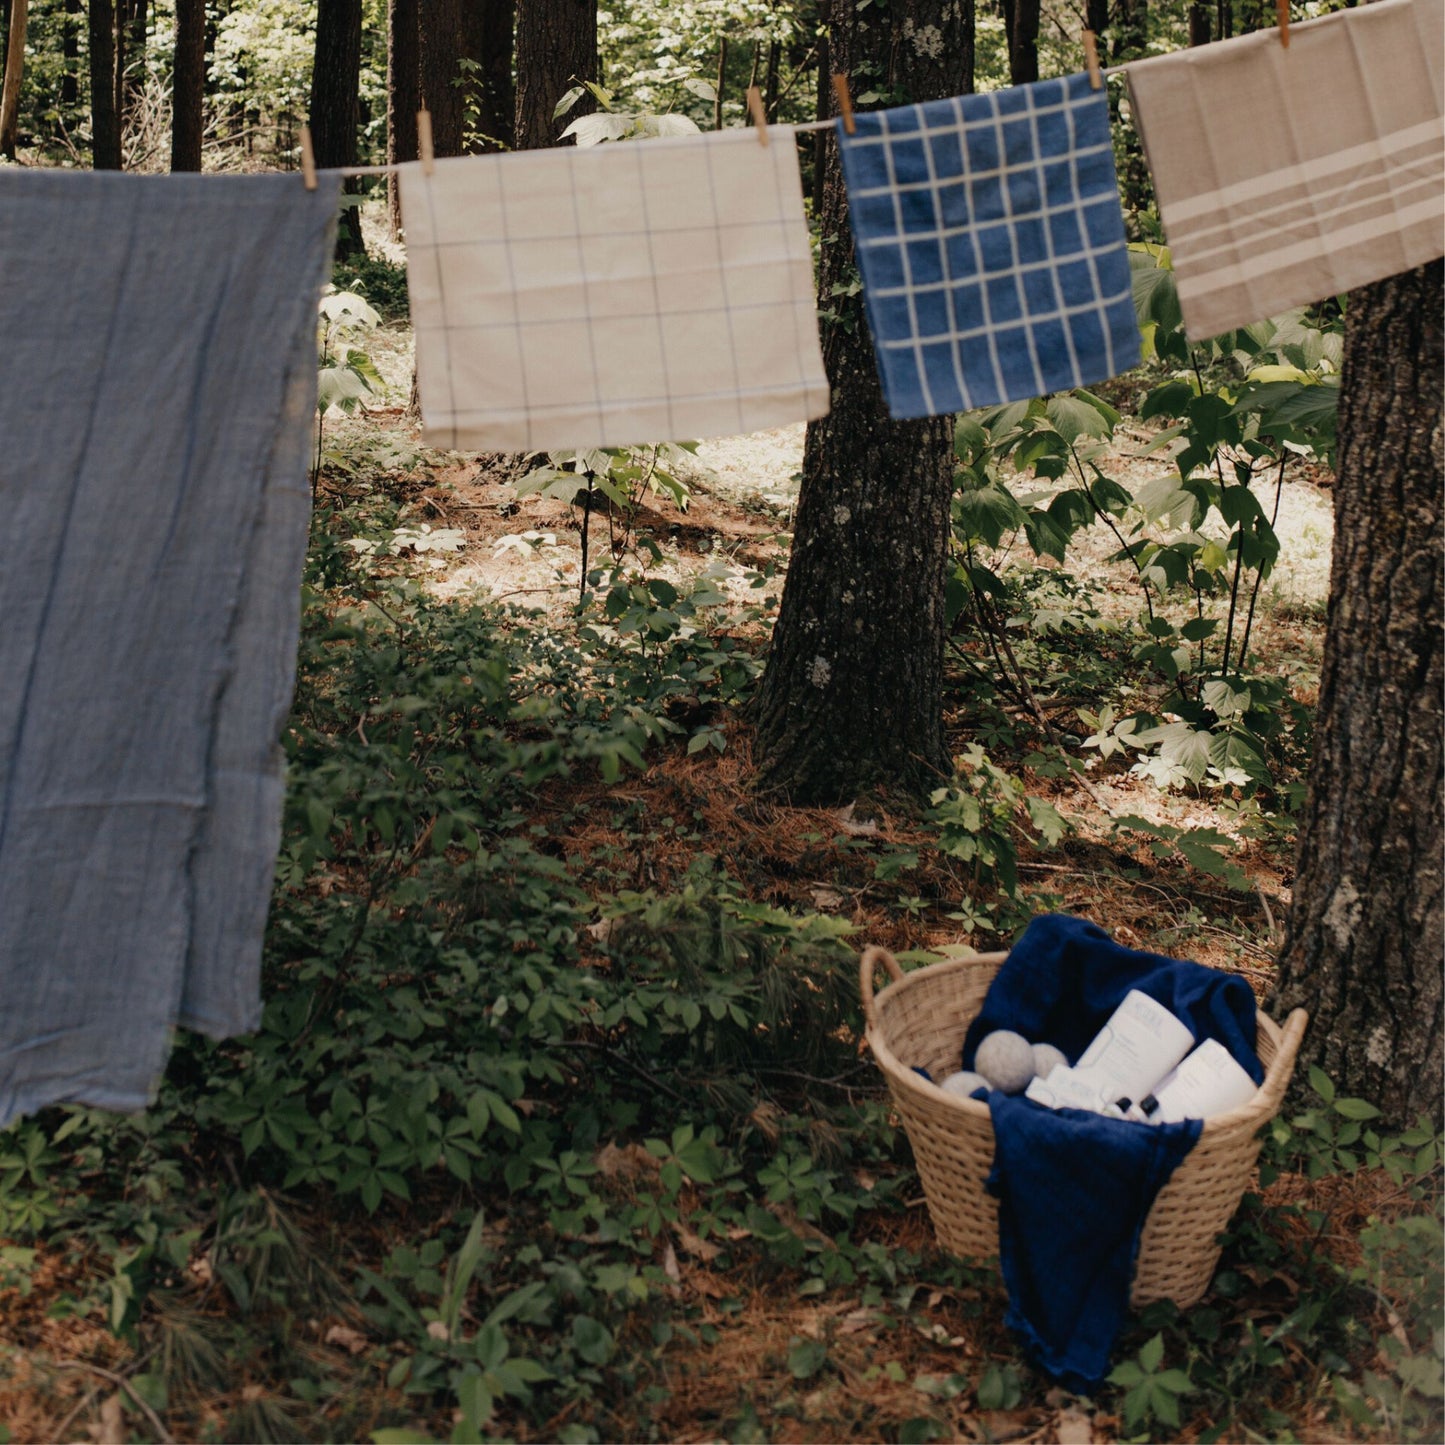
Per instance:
x=901, y=1343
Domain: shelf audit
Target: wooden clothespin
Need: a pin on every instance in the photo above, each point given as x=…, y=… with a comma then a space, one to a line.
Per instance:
x=1281, y=10
x=308, y=159
x=1091, y=61
x=423, y=141
x=845, y=103
x=759, y=115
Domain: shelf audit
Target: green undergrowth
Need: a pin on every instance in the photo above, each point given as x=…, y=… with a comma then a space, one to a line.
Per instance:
x=503, y=1114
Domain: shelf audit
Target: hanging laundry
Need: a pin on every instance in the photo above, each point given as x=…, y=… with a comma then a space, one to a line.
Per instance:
x=631, y=292
x=157, y=391
x=1289, y=174
x=992, y=247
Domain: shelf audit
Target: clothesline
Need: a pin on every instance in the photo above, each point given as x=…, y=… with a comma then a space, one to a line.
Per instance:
x=809, y=125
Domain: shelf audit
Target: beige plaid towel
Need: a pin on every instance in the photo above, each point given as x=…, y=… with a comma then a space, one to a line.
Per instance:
x=641, y=291
x=1286, y=175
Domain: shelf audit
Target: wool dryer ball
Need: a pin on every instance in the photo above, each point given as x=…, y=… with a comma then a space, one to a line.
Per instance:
x=1047, y=1058
x=1006, y=1060
x=963, y=1083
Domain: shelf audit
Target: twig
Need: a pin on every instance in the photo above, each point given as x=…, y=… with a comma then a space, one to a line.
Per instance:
x=614, y=1053
x=162, y=1433
x=1268, y=916
x=64, y=1425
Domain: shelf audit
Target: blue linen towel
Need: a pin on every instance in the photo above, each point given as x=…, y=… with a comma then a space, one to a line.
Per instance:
x=157, y=385
x=991, y=243
x=1075, y=1188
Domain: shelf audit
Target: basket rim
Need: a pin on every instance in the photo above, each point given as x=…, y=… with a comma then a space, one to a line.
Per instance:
x=1260, y=1107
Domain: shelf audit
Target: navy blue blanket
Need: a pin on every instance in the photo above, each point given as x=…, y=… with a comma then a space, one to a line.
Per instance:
x=1075, y=1188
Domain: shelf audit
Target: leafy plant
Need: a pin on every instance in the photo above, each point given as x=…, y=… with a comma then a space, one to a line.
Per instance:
x=1151, y=1391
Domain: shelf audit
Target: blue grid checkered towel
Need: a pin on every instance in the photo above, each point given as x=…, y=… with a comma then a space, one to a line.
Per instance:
x=992, y=247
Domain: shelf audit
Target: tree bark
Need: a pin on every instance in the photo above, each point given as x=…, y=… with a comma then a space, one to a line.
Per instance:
x=104, y=119
x=1364, y=938
x=853, y=690
x=1198, y=25
x=556, y=48
x=70, y=51
x=132, y=17
x=14, y=73
x=188, y=93
x=336, y=103
x=1023, y=45
x=441, y=72
x=489, y=31
x=403, y=96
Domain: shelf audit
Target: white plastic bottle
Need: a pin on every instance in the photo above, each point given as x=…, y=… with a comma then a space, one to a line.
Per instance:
x=1133, y=1052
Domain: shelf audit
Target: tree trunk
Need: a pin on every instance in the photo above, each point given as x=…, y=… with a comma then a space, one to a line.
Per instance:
x=853, y=690
x=822, y=141
x=70, y=52
x=556, y=48
x=104, y=121
x=403, y=96
x=1364, y=939
x=441, y=72
x=1023, y=46
x=490, y=25
x=1198, y=25
x=14, y=73
x=132, y=18
x=1096, y=15
x=336, y=104
x=188, y=93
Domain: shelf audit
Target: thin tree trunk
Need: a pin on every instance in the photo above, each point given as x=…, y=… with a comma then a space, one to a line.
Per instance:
x=822, y=141
x=136, y=19
x=722, y=64
x=1198, y=25
x=14, y=73
x=403, y=96
x=441, y=74
x=1023, y=49
x=335, y=103
x=188, y=92
x=556, y=47
x=1364, y=939
x=489, y=44
x=852, y=694
x=70, y=52
x=104, y=121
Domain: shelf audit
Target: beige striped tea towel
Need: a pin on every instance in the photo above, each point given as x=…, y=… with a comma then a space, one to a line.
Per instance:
x=632, y=292
x=1289, y=174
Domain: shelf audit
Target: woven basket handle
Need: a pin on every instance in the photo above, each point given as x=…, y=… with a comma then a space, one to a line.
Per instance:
x=871, y=958
x=1281, y=1067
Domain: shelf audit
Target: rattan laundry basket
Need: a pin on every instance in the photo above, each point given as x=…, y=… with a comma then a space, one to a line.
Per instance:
x=920, y=1019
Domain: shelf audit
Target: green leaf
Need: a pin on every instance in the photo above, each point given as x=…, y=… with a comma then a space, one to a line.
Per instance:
x=475, y=1398
x=1075, y=414
x=1355, y=1109
x=1151, y=1355
x=806, y=1358
x=568, y=100
x=1156, y=298
x=1047, y=820
x=1321, y=1083
x=592, y=1340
